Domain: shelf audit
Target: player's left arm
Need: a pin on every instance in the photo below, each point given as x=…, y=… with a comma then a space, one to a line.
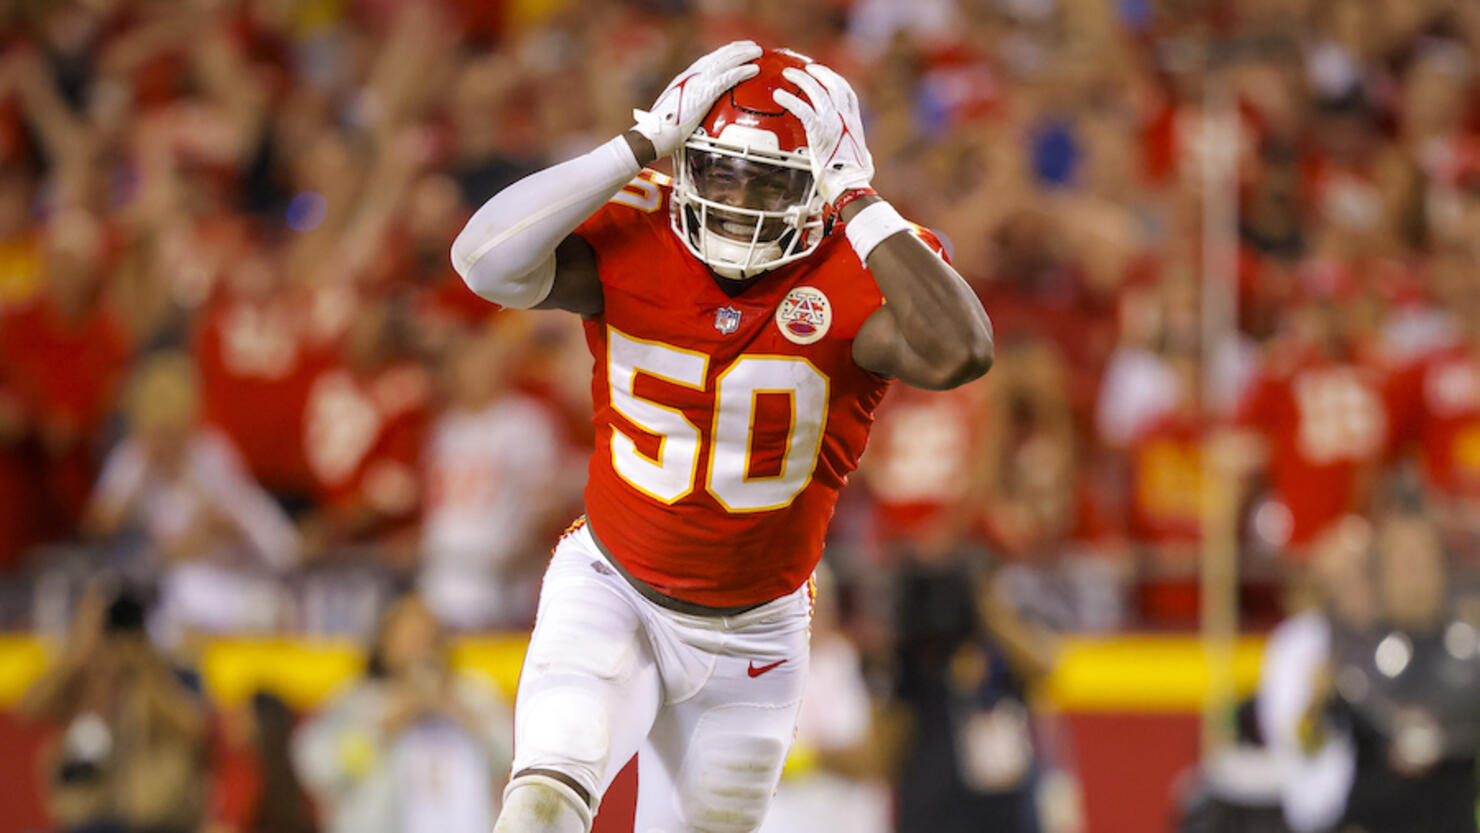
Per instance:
x=932, y=332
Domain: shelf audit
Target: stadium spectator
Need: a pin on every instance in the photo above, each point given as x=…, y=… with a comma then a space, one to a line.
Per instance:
x=130, y=750
x=19, y=528
x=20, y=240
x=1039, y=293
x=1037, y=509
x=1312, y=751
x=1165, y=473
x=1318, y=416
x=1166, y=468
x=414, y=746
x=962, y=661
x=211, y=534
x=258, y=355
x=490, y=152
x=492, y=465
x=364, y=428
x=1371, y=706
x=920, y=469
x=1409, y=689
x=59, y=415
x=1438, y=400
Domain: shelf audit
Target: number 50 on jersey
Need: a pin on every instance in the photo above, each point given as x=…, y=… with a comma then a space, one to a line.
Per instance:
x=673, y=473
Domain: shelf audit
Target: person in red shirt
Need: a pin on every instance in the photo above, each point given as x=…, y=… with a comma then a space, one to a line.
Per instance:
x=364, y=426
x=1039, y=291
x=1034, y=505
x=257, y=355
x=1439, y=401
x=18, y=465
x=1034, y=500
x=1320, y=419
x=920, y=469
x=1166, y=467
x=741, y=346
x=63, y=355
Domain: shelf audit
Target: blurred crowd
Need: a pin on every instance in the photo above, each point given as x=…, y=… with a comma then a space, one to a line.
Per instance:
x=412, y=746
x=234, y=355
x=231, y=331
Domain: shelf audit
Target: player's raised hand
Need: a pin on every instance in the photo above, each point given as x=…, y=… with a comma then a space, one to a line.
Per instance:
x=829, y=114
x=690, y=95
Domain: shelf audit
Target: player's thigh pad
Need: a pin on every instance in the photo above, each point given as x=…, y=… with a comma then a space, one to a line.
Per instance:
x=589, y=689
x=732, y=766
x=713, y=761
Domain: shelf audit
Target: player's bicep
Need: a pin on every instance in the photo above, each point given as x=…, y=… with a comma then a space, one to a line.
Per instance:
x=577, y=286
x=880, y=348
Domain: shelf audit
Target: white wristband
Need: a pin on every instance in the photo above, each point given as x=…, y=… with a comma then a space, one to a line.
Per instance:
x=871, y=226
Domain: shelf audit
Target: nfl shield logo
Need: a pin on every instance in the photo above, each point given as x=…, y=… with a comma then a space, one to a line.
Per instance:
x=727, y=320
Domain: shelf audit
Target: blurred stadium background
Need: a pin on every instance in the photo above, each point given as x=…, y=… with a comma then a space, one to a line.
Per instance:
x=1230, y=248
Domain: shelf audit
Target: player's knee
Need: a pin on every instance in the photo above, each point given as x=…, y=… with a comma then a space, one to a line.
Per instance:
x=535, y=803
x=727, y=784
x=565, y=728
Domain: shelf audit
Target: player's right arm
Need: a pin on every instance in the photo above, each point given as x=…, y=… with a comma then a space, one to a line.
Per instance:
x=518, y=249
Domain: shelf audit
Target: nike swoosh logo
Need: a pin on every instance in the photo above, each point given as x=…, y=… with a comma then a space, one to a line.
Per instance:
x=756, y=672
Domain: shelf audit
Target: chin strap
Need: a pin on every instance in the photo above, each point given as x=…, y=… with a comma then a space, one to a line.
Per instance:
x=732, y=268
x=724, y=256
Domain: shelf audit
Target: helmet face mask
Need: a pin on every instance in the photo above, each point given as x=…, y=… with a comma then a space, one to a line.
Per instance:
x=744, y=199
x=746, y=184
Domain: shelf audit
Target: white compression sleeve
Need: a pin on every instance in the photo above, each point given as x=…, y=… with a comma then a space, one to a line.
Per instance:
x=506, y=252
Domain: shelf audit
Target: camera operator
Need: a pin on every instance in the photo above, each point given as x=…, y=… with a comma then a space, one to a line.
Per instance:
x=964, y=661
x=416, y=746
x=129, y=757
x=1408, y=690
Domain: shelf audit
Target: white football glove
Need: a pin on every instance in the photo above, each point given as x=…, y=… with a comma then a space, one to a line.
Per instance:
x=840, y=159
x=690, y=95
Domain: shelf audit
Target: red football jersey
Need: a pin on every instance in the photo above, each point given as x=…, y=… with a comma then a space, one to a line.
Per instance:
x=1166, y=462
x=1328, y=423
x=920, y=466
x=363, y=438
x=257, y=362
x=724, y=426
x=62, y=372
x=1441, y=400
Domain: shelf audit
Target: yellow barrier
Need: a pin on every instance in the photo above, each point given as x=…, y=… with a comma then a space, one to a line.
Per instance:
x=1145, y=673
x=21, y=661
x=1137, y=673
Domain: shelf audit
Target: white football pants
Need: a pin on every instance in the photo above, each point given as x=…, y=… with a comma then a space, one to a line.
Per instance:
x=709, y=702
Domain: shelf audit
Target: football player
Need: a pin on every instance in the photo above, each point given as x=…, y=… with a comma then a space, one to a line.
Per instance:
x=741, y=343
